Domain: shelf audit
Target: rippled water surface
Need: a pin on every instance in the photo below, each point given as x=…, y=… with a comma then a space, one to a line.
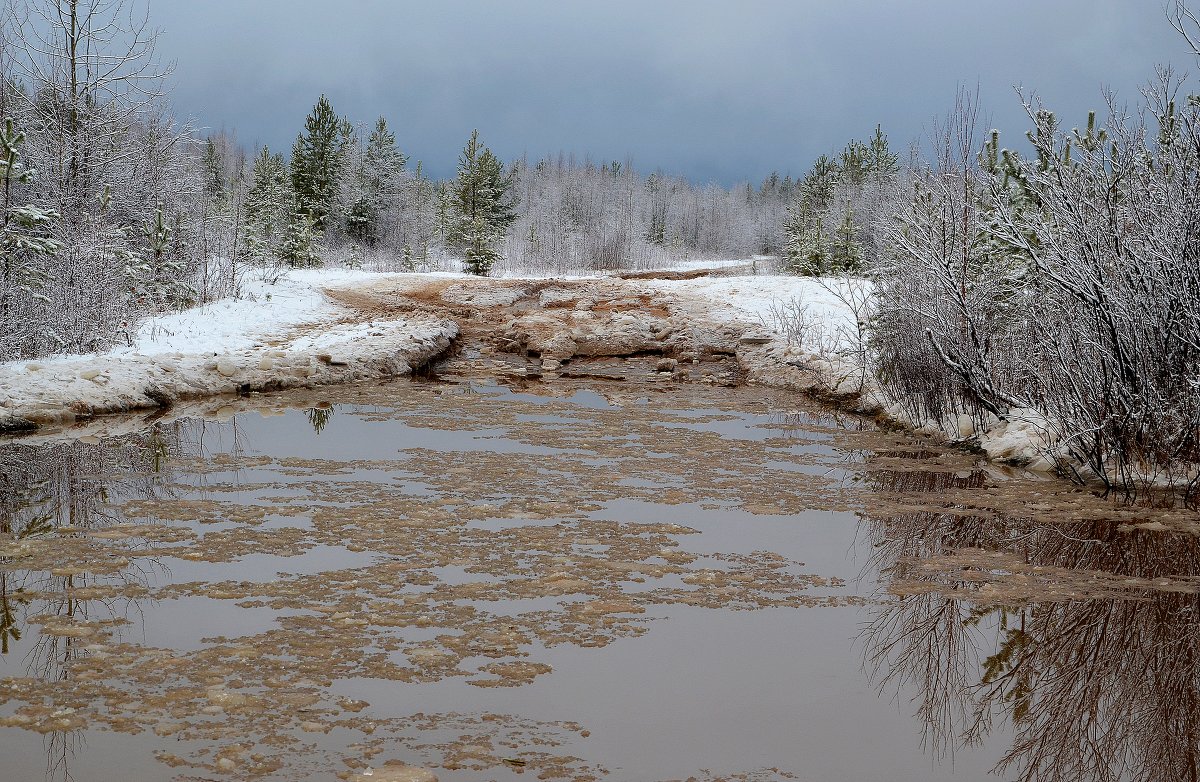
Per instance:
x=578, y=581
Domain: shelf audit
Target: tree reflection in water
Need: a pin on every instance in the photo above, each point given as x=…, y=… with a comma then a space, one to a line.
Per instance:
x=1077, y=629
x=63, y=490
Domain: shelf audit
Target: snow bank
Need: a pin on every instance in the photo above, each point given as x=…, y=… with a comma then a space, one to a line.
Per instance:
x=822, y=361
x=263, y=313
x=276, y=336
x=750, y=299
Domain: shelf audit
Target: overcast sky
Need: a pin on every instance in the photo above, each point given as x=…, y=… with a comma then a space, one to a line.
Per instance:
x=719, y=91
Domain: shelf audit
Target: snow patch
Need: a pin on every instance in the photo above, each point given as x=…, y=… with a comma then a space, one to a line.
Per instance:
x=275, y=336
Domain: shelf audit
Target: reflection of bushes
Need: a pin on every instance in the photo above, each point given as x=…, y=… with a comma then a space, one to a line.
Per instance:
x=46, y=488
x=63, y=490
x=1081, y=634
x=10, y=628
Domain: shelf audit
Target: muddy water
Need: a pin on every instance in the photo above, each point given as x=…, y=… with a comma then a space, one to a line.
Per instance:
x=578, y=580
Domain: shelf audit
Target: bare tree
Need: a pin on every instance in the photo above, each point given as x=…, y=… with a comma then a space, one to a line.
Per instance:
x=91, y=78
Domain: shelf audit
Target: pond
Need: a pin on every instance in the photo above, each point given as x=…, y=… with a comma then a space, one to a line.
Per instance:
x=578, y=580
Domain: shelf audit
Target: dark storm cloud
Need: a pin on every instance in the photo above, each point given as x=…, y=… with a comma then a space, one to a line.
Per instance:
x=719, y=91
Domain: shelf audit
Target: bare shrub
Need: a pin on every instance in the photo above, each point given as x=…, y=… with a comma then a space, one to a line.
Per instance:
x=794, y=321
x=1065, y=282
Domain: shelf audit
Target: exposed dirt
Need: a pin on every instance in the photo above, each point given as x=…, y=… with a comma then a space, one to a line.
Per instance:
x=563, y=327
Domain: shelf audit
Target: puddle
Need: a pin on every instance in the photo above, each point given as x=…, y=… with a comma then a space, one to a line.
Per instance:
x=580, y=584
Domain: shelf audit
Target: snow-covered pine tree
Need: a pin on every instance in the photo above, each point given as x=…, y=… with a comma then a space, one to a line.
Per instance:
x=298, y=249
x=24, y=238
x=269, y=201
x=807, y=248
x=795, y=226
x=815, y=250
x=853, y=164
x=443, y=212
x=318, y=163
x=214, y=172
x=845, y=254
x=479, y=246
x=378, y=182
x=155, y=272
x=502, y=208
x=880, y=159
x=484, y=204
x=422, y=214
x=1001, y=193
x=656, y=231
x=818, y=185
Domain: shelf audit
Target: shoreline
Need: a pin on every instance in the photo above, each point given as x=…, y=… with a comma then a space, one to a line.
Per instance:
x=371, y=326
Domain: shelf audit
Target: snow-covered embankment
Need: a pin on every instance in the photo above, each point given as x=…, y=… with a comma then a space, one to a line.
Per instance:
x=278, y=336
x=822, y=358
x=795, y=333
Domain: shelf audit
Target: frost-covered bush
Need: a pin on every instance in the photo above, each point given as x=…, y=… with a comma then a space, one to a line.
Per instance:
x=1066, y=281
x=111, y=211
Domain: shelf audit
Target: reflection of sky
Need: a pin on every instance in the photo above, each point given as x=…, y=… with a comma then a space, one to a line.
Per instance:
x=714, y=90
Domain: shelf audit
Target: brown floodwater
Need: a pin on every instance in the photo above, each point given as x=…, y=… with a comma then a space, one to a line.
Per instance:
x=579, y=580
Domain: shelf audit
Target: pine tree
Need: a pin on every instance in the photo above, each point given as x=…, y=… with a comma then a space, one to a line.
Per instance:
x=479, y=240
x=270, y=193
x=156, y=273
x=853, y=164
x=298, y=249
x=214, y=173
x=318, y=160
x=443, y=209
x=502, y=207
x=880, y=160
x=425, y=223
x=818, y=185
x=769, y=185
x=656, y=232
x=814, y=251
x=384, y=162
x=786, y=188
x=846, y=255
x=1010, y=193
x=794, y=227
x=807, y=250
x=378, y=180
x=269, y=206
x=485, y=206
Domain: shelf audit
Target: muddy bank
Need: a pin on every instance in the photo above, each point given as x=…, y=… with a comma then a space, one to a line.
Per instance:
x=523, y=329
x=575, y=328
x=552, y=328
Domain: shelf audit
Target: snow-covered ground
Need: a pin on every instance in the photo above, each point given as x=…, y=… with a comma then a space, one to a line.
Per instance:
x=762, y=298
x=274, y=336
x=263, y=314
x=813, y=325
